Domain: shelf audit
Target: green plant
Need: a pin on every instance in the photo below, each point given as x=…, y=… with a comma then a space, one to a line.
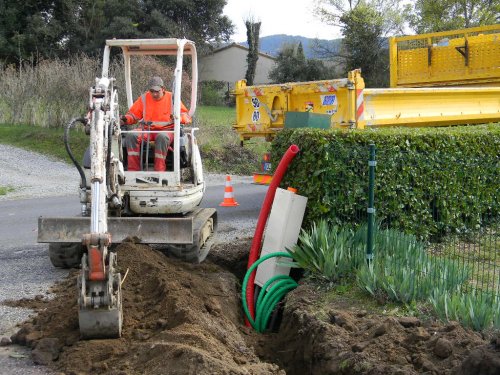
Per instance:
x=479, y=248
x=326, y=252
x=5, y=189
x=344, y=364
x=476, y=310
x=213, y=93
x=404, y=271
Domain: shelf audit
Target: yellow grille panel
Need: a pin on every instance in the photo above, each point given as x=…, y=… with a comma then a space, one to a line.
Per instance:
x=464, y=57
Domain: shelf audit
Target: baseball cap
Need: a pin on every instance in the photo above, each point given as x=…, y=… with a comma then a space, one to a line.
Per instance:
x=155, y=83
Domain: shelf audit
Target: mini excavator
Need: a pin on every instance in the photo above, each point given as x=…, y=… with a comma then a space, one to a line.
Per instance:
x=116, y=204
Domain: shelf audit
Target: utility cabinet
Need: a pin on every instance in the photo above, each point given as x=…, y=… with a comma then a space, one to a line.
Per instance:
x=282, y=231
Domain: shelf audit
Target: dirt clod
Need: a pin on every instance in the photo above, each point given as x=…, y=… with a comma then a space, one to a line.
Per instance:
x=409, y=321
x=46, y=350
x=443, y=348
x=482, y=361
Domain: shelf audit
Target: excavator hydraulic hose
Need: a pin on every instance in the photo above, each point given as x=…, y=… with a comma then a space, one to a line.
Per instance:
x=108, y=160
x=83, y=121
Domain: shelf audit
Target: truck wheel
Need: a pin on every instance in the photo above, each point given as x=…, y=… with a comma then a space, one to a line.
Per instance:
x=65, y=255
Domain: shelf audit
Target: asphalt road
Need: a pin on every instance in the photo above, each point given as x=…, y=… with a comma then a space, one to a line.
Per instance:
x=25, y=269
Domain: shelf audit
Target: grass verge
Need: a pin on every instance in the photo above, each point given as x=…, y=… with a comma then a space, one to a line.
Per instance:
x=5, y=189
x=47, y=141
x=219, y=143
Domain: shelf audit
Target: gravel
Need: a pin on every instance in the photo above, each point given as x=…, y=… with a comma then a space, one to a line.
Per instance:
x=31, y=265
x=27, y=174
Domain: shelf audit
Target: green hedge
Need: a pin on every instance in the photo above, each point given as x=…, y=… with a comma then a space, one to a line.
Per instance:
x=213, y=93
x=429, y=181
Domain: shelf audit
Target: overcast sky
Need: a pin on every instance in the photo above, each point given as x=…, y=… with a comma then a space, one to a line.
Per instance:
x=291, y=17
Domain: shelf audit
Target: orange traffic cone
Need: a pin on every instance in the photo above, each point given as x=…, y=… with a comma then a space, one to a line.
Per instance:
x=228, y=195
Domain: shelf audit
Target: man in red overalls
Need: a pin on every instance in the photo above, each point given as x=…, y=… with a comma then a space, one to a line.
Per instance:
x=153, y=108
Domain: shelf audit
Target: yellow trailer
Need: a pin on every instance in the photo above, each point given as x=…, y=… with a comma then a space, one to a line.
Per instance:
x=426, y=71
x=451, y=58
x=262, y=110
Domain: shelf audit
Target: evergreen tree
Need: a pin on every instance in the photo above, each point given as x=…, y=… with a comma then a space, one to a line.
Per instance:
x=363, y=45
x=45, y=28
x=253, y=31
x=31, y=28
x=292, y=66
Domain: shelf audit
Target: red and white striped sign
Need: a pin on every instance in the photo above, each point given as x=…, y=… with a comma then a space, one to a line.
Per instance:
x=360, y=105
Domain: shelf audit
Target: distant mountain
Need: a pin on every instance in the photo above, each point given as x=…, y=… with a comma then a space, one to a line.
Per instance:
x=272, y=44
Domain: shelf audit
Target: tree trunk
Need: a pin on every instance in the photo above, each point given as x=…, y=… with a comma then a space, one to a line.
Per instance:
x=253, y=30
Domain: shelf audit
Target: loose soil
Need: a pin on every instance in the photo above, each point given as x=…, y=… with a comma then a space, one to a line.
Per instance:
x=187, y=319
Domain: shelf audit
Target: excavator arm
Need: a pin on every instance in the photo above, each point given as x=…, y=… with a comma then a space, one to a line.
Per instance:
x=99, y=302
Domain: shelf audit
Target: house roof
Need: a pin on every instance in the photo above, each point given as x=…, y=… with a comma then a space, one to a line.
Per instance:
x=231, y=45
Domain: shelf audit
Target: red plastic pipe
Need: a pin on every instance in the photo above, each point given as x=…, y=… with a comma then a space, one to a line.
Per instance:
x=262, y=220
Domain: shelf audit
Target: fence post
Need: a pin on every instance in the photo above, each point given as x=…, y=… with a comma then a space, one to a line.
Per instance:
x=371, y=209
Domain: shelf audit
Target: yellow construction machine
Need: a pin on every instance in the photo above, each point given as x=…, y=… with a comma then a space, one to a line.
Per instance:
x=154, y=207
x=439, y=79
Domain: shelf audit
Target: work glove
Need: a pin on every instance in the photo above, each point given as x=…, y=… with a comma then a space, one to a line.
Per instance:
x=123, y=120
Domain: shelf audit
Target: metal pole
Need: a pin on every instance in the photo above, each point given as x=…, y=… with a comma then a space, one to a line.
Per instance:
x=371, y=209
x=147, y=149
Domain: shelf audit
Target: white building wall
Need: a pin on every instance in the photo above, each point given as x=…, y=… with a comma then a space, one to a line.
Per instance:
x=230, y=65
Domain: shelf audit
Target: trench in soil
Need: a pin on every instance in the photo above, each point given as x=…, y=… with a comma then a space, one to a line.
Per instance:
x=181, y=318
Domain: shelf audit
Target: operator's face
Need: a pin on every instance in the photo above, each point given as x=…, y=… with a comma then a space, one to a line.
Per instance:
x=157, y=95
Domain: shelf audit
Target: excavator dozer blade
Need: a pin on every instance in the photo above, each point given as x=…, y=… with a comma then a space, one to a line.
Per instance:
x=151, y=230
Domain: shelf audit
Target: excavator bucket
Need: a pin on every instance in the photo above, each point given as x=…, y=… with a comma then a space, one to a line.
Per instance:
x=100, y=307
x=100, y=324
x=100, y=313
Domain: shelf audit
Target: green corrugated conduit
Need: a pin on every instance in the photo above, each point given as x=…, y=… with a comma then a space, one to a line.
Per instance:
x=268, y=299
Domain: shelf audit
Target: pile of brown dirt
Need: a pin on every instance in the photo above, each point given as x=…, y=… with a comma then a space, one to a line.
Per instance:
x=186, y=319
x=345, y=337
x=178, y=319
